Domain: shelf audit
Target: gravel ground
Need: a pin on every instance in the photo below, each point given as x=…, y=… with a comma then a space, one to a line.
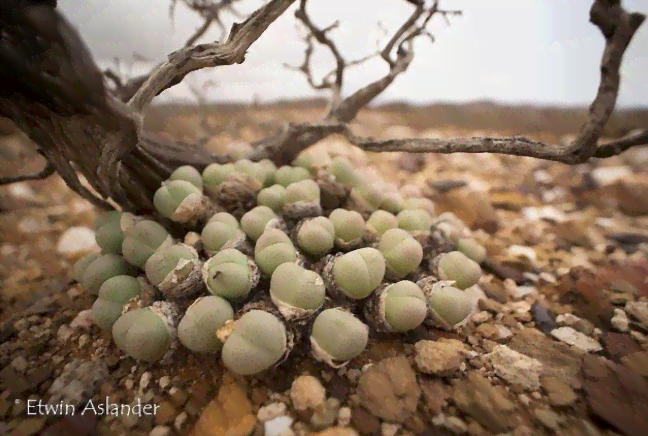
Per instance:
x=559, y=346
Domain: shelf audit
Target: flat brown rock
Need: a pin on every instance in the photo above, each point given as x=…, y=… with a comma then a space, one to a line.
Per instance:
x=485, y=403
x=560, y=360
x=229, y=414
x=617, y=395
x=617, y=346
x=389, y=389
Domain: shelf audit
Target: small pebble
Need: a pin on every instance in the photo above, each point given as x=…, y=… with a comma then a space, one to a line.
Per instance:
x=20, y=364
x=388, y=429
x=620, y=320
x=576, y=339
x=271, y=411
x=307, y=392
x=180, y=421
x=160, y=430
x=344, y=416
x=164, y=382
x=144, y=381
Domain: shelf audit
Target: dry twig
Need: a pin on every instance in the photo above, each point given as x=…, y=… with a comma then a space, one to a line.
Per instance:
x=211, y=11
x=397, y=53
x=188, y=59
x=618, y=27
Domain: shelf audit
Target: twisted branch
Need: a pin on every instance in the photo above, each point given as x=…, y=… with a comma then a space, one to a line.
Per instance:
x=233, y=51
x=618, y=27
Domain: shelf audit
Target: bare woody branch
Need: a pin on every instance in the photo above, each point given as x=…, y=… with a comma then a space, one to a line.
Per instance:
x=211, y=11
x=618, y=27
x=188, y=59
x=617, y=147
x=41, y=175
x=397, y=53
x=334, y=79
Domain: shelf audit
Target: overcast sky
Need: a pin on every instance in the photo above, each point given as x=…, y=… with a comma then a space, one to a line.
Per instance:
x=542, y=51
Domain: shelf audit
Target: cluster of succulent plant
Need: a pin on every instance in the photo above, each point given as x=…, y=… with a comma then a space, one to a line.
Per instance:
x=316, y=256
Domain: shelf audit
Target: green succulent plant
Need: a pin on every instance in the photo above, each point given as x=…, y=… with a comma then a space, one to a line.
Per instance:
x=286, y=175
x=403, y=306
x=106, y=217
x=302, y=199
x=114, y=293
x=296, y=291
x=472, y=249
x=251, y=169
x=272, y=197
x=82, y=264
x=230, y=275
x=349, y=227
x=147, y=333
x=337, y=337
x=414, y=220
x=393, y=202
x=369, y=196
x=197, y=328
x=358, y=273
x=342, y=170
x=448, y=306
x=142, y=240
x=215, y=174
x=419, y=203
x=272, y=249
x=257, y=341
x=188, y=174
x=179, y=201
x=460, y=268
x=220, y=230
x=103, y=268
x=379, y=222
x=175, y=270
x=403, y=254
x=267, y=170
x=304, y=190
x=109, y=236
x=254, y=222
x=128, y=220
x=310, y=159
x=316, y=236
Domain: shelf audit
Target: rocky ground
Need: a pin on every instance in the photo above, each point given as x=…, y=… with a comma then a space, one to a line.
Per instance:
x=559, y=345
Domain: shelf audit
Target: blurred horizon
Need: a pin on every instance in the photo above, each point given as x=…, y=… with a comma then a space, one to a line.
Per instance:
x=502, y=51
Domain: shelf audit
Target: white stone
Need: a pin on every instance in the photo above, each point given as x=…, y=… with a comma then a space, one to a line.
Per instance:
x=522, y=252
x=144, y=381
x=307, y=392
x=164, y=381
x=64, y=333
x=83, y=320
x=388, y=429
x=605, y=176
x=620, y=320
x=160, y=430
x=180, y=421
x=481, y=317
x=503, y=332
x=271, y=411
x=579, y=324
x=638, y=310
x=516, y=368
x=576, y=339
x=76, y=241
x=278, y=426
x=344, y=416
